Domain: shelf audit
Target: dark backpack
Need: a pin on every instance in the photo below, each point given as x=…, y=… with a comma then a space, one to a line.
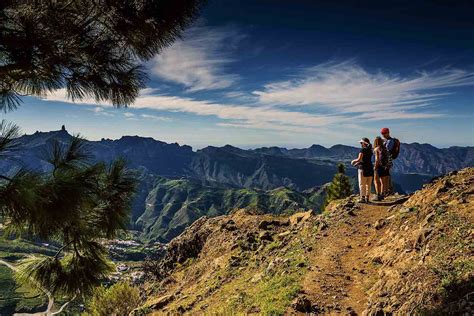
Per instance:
x=396, y=149
x=385, y=158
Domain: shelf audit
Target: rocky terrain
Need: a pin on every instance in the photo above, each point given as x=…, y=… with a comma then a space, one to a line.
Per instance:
x=407, y=255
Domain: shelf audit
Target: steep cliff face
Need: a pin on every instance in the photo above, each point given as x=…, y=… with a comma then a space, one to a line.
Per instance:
x=427, y=159
x=406, y=255
x=251, y=169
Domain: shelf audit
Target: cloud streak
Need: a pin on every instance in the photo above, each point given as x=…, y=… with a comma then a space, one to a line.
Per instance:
x=198, y=61
x=258, y=117
x=346, y=87
x=319, y=99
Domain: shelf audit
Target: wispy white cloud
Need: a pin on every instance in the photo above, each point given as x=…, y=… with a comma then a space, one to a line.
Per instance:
x=135, y=117
x=156, y=117
x=100, y=111
x=239, y=115
x=198, y=61
x=320, y=99
x=242, y=96
x=346, y=87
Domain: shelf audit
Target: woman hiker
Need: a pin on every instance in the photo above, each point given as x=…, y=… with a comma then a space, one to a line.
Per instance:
x=366, y=169
x=381, y=171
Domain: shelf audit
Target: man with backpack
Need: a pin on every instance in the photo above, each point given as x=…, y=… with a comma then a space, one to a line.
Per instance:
x=393, y=148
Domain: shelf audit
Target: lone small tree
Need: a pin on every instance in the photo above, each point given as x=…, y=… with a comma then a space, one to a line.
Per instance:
x=340, y=186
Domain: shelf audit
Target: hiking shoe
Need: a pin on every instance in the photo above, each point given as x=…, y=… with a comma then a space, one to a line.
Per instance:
x=362, y=200
x=379, y=198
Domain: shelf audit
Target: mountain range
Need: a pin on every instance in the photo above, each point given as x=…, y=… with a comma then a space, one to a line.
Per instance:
x=179, y=185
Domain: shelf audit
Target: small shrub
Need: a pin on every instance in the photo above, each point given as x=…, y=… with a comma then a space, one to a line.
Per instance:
x=119, y=299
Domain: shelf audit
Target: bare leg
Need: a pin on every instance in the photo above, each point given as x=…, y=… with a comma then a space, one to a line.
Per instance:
x=369, y=186
x=385, y=184
x=378, y=184
x=360, y=175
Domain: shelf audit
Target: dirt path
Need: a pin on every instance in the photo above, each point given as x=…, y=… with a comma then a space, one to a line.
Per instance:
x=340, y=273
x=48, y=294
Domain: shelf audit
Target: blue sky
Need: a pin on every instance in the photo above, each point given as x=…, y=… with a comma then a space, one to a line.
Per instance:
x=295, y=73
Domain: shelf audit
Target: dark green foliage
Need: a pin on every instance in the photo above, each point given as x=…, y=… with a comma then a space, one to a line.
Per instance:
x=92, y=48
x=75, y=205
x=8, y=138
x=340, y=186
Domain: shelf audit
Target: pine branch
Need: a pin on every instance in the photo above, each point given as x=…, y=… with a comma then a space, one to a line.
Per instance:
x=5, y=178
x=61, y=249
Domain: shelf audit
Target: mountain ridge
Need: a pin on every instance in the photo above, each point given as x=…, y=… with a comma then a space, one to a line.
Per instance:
x=264, y=168
x=414, y=157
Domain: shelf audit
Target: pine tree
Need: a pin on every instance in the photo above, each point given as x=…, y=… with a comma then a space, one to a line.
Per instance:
x=92, y=48
x=74, y=206
x=340, y=186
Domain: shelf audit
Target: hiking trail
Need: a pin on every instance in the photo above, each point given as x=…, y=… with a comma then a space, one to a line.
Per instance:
x=340, y=274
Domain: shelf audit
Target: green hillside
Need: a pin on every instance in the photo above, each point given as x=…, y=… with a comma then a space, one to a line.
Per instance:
x=15, y=297
x=172, y=205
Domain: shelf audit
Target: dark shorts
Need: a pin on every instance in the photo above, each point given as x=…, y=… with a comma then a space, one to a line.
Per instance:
x=368, y=172
x=383, y=172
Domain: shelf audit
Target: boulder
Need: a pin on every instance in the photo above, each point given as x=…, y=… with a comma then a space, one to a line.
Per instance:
x=422, y=237
x=161, y=302
x=301, y=304
x=282, y=236
x=266, y=224
x=379, y=224
x=298, y=218
x=265, y=235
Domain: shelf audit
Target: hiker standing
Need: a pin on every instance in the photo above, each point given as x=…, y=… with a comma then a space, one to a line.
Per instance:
x=393, y=148
x=366, y=169
x=381, y=168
